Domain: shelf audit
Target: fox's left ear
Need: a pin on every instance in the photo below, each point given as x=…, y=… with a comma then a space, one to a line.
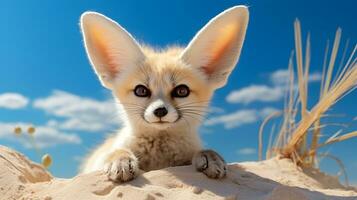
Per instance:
x=216, y=47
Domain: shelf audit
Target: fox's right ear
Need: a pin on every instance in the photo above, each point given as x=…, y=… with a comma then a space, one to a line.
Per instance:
x=110, y=47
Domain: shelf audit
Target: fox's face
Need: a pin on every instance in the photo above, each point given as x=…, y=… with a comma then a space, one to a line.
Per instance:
x=162, y=91
x=167, y=88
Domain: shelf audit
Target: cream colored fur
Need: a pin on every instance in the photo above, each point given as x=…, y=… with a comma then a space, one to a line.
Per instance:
x=147, y=141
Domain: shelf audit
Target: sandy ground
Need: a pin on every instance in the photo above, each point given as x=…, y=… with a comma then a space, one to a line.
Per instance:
x=269, y=180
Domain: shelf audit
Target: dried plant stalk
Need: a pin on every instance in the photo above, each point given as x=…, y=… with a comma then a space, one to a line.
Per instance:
x=260, y=145
x=291, y=140
x=332, y=96
x=332, y=140
x=332, y=92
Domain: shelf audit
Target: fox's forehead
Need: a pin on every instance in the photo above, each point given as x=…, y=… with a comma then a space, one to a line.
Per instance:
x=171, y=51
x=162, y=61
x=166, y=69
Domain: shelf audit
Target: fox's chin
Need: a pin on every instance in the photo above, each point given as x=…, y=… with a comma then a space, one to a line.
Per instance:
x=162, y=125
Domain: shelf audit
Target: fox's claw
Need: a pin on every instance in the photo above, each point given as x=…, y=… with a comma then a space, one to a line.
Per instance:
x=210, y=163
x=122, y=168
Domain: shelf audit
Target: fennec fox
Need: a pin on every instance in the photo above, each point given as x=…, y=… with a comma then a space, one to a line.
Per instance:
x=163, y=94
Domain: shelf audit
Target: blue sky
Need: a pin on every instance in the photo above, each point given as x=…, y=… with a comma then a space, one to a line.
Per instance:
x=51, y=84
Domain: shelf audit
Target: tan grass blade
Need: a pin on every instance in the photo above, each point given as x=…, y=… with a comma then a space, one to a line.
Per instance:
x=265, y=121
x=288, y=107
x=269, y=152
x=347, y=64
x=299, y=61
x=339, y=139
x=307, y=63
x=332, y=60
x=342, y=61
x=317, y=132
x=324, y=66
x=340, y=164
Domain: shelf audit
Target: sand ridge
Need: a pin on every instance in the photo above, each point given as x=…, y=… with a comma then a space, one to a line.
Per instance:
x=267, y=180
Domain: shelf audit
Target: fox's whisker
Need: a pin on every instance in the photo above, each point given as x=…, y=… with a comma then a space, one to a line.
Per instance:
x=194, y=102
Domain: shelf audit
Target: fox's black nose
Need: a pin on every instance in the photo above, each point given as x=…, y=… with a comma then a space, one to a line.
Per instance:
x=160, y=112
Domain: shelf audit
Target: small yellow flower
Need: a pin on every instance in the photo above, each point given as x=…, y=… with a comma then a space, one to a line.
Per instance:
x=31, y=130
x=46, y=160
x=17, y=130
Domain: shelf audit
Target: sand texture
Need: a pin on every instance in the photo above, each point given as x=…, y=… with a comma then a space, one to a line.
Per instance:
x=267, y=180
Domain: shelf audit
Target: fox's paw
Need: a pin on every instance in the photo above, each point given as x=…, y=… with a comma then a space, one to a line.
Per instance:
x=210, y=163
x=121, y=166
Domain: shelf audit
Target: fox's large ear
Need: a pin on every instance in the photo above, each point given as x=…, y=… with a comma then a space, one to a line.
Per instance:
x=216, y=47
x=110, y=47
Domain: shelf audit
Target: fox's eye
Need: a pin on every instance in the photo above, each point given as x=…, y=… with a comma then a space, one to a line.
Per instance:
x=180, y=91
x=142, y=91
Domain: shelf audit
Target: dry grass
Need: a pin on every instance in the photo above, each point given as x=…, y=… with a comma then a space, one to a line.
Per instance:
x=301, y=128
x=46, y=159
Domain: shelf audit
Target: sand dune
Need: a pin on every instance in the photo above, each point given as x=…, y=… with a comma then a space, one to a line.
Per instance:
x=267, y=180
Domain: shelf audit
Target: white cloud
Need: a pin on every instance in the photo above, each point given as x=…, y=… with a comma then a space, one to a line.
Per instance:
x=265, y=112
x=214, y=109
x=78, y=113
x=281, y=77
x=239, y=118
x=264, y=93
x=13, y=101
x=44, y=136
x=233, y=120
x=71, y=113
x=80, y=125
x=253, y=93
x=246, y=151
